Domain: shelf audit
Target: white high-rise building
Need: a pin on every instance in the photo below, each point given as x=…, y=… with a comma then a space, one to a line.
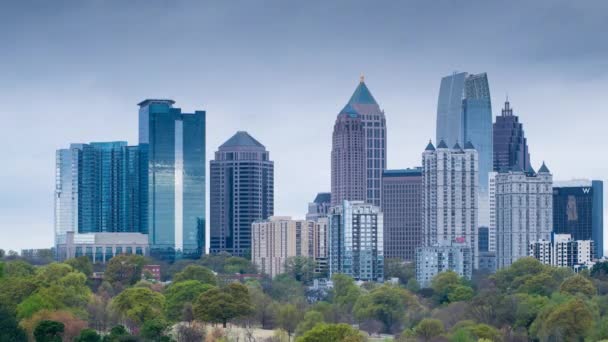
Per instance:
x=523, y=211
x=563, y=251
x=431, y=261
x=450, y=196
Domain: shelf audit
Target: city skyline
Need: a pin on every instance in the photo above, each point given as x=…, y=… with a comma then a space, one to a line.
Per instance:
x=97, y=99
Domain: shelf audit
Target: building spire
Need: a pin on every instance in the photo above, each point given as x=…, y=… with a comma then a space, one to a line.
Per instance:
x=507, y=111
x=361, y=78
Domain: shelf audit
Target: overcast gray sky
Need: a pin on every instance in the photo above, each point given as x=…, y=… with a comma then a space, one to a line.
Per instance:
x=73, y=71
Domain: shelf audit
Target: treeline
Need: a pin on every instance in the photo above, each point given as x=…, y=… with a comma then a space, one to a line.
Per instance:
x=204, y=299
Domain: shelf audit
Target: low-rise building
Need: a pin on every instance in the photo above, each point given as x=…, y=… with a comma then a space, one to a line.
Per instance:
x=433, y=260
x=101, y=247
x=563, y=251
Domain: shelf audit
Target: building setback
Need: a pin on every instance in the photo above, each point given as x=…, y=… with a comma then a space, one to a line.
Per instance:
x=172, y=146
x=356, y=241
x=449, y=196
x=242, y=191
x=358, y=149
x=524, y=212
x=578, y=210
x=510, y=145
x=402, y=208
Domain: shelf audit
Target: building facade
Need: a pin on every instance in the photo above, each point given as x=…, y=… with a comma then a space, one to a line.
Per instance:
x=172, y=146
x=524, y=212
x=450, y=196
x=510, y=144
x=563, y=251
x=101, y=247
x=319, y=207
x=578, y=210
x=276, y=239
x=402, y=208
x=358, y=149
x=242, y=191
x=356, y=241
x=432, y=260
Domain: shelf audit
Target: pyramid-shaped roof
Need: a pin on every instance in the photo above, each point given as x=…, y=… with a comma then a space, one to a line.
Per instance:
x=442, y=144
x=544, y=169
x=469, y=145
x=457, y=146
x=361, y=96
x=430, y=146
x=242, y=138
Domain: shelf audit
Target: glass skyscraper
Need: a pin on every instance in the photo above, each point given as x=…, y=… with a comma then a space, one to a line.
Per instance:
x=172, y=171
x=242, y=191
x=510, y=144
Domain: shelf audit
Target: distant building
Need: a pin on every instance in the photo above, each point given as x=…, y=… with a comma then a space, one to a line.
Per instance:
x=321, y=245
x=356, y=241
x=483, y=239
x=402, y=208
x=153, y=271
x=101, y=247
x=563, y=251
x=242, y=191
x=487, y=262
x=172, y=160
x=432, y=260
x=358, y=150
x=578, y=210
x=510, y=144
x=278, y=238
x=319, y=207
x=450, y=196
x=524, y=212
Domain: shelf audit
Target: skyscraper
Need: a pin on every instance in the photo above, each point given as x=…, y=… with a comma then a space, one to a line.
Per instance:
x=510, y=145
x=449, y=196
x=578, y=210
x=402, y=208
x=97, y=189
x=359, y=149
x=319, y=207
x=172, y=146
x=356, y=241
x=242, y=191
x=524, y=212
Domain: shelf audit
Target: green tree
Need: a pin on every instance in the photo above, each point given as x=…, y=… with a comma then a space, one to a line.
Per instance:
x=288, y=317
x=568, y=321
x=224, y=263
x=124, y=269
x=429, y=328
x=387, y=304
x=445, y=283
x=284, y=288
x=48, y=331
x=195, y=272
x=300, y=268
x=528, y=307
x=311, y=318
x=81, y=264
x=222, y=305
x=460, y=293
x=88, y=335
x=154, y=330
x=18, y=268
x=264, y=308
x=139, y=304
x=578, y=284
x=179, y=294
x=332, y=332
x=524, y=267
x=397, y=268
x=345, y=293
x=9, y=329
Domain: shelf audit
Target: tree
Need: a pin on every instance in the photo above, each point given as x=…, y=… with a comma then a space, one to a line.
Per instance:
x=194, y=332
x=222, y=305
x=578, y=284
x=18, y=268
x=300, y=268
x=124, y=269
x=48, y=331
x=528, y=307
x=13, y=290
x=387, y=304
x=195, y=272
x=2, y=253
x=139, y=304
x=224, y=263
x=284, y=288
x=505, y=277
x=345, y=294
x=154, y=330
x=429, y=328
x=88, y=335
x=182, y=293
x=81, y=264
x=332, y=332
x=9, y=329
x=264, y=308
x=445, y=283
x=460, y=293
x=311, y=318
x=72, y=324
x=397, y=268
x=569, y=321
x=288, y=317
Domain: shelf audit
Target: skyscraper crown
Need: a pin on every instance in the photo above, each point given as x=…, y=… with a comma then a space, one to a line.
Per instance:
x=361, y=98
x=242, y=139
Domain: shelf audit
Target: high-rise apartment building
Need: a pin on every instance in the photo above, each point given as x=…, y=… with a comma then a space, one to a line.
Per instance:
x=97, y=189
x=578, y=210
x=432, y=260
x=276, y=239
x=524, y=212
x=358, y=149
x=449, y=196
x=242, y=191
x=563, y=251
x=402, y=208
x=319, y=207
x=510, y=145
x=172, y=146
x=356, y=241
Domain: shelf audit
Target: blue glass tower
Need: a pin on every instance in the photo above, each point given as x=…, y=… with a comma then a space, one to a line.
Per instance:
x=172, y=171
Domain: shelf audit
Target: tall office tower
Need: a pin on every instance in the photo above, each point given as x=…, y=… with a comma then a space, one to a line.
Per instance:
x=524, y=212
x=242, y=191
x=172, y=146
x=402, y=208
x=510, y=144
x=359, y=149
x=319, y=207
x=97, y=189
x=449, y=196
x=276, y=239
x=356, y=241
x=578, y=211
